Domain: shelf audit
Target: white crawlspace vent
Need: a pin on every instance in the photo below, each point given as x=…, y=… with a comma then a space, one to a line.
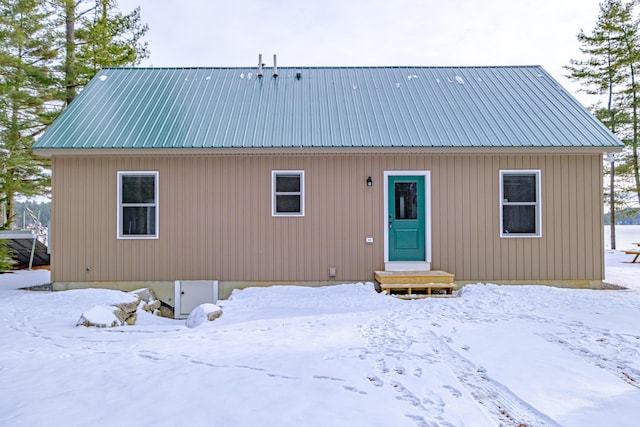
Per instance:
x=191, y=293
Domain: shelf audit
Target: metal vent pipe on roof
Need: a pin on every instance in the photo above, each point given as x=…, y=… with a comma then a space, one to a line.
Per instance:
x=259, y=65
x=275, y=66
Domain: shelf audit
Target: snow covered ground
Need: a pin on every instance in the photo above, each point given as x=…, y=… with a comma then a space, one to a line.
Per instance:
x=333, y=356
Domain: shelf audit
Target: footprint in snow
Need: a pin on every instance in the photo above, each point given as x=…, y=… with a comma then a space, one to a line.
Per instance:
x=353, y=389
x=465, y=347
x=349, y=353
x=417, y=372
x=282, y=377
x=375, y=381
x=210, y=365
x=405, y=394
x=420, y=421
x=251, y=368
x=324, y=377
x=399, y=370
x=483, y=373
x=454, y=391
x=382, y=366
x=150, y=356
x=433, y=403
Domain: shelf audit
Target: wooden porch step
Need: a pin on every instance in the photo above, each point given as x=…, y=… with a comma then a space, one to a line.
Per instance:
x=413, y=277
x=426, y=289
x=427, y=283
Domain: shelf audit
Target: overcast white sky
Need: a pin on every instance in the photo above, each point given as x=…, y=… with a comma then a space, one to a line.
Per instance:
x=367, y=32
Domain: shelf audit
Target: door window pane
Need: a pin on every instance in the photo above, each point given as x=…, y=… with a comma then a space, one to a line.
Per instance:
x=406, y=200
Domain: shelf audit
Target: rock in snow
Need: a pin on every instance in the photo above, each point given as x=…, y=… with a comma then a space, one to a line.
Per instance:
x=124, y=313
x=203, y=313
x=99, y=317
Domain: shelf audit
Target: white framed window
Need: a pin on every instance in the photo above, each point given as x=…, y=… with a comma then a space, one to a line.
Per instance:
x=520, y=204
x=287, y=193
x=137, y=205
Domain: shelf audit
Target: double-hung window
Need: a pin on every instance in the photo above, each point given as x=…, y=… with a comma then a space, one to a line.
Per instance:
x=137, y=205
x=520, y=209
x=287, y=193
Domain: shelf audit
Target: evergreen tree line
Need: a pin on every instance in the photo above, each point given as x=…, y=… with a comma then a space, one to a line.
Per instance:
x=49, y=50
x=610, y=69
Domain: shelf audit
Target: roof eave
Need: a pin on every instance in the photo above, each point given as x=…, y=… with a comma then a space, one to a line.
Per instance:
x=326, y=151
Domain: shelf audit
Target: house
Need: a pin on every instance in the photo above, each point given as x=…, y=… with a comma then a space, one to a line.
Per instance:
x=321, y=175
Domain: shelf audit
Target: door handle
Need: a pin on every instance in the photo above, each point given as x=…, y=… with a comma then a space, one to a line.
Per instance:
x=390, y=224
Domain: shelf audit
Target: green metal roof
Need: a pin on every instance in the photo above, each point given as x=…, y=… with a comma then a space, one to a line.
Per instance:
x=348, y=107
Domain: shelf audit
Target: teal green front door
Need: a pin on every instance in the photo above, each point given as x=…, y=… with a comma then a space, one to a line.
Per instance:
x=406, y=218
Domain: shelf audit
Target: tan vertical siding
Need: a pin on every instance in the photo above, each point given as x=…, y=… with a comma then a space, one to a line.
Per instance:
x=215, y=219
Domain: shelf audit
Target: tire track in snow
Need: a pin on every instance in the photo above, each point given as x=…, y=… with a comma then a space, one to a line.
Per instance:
x=576, y=345
x=387, y=341
x=504, y=406
x=580, y=338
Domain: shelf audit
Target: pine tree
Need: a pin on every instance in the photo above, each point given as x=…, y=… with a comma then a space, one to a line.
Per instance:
x=43, y=64
x=612, y=51
x=27, y=89
x=630, y=42
x=70, y=86
x=99, y=36
x=605, y=70
x=6, y=257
